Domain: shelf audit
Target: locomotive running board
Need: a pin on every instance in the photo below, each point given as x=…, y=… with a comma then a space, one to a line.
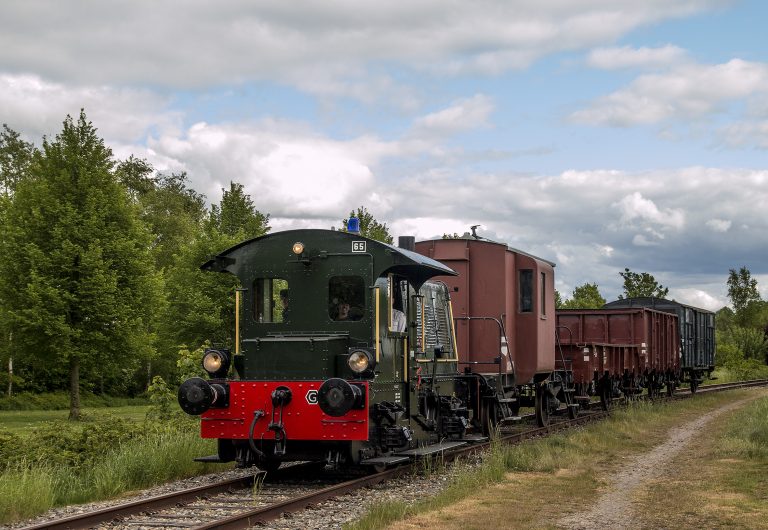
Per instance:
x=385, y=460
x=431, y=449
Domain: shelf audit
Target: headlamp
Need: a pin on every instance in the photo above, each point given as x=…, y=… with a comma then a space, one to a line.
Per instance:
x=216, y=362
x=298, y=248
x=359, y=361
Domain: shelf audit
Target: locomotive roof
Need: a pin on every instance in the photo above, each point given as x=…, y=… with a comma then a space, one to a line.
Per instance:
x=418, y=267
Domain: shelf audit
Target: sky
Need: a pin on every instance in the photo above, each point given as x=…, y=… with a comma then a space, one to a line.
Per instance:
x=596, y=134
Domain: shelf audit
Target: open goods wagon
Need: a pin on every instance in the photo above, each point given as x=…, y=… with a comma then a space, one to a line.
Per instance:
x=619, y=351
x=697, y=335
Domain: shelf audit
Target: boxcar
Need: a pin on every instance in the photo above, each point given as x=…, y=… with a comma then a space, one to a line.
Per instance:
x=697, y=335
x=504, y=308
x=619, y=351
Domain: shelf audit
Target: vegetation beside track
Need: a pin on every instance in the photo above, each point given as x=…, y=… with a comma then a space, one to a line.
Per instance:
x=517, y=487
x=732, y=484
x=743, y=371
x=61, y=462
x=60, y=401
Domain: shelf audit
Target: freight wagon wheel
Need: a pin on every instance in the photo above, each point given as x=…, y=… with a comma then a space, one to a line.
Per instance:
x=694, y=385
x=606, y=399
x=542, y=408
x=573, y=410
x=670, y=389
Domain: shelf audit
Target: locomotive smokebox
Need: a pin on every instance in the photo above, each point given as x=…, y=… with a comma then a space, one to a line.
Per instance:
x=196, y=395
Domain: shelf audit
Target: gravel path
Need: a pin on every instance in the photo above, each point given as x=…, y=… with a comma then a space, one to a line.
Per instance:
x=614, y=509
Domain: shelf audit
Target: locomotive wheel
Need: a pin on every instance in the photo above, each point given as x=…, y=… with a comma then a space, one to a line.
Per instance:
x=226, y=450
x=542, y=409
x=488, y=418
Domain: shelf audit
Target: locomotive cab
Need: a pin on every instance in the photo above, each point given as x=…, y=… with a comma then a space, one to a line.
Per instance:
x=347, y=353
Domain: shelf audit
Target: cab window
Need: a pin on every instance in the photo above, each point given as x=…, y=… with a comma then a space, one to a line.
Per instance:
x=397, y=294
x=271, y=300
x=346, y=298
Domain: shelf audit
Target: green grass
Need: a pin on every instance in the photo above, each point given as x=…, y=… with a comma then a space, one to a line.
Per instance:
x=60, y=401
x=743, y=372
x=24, y=421
x=746, y=441
x=638, y=427
x=27, y=489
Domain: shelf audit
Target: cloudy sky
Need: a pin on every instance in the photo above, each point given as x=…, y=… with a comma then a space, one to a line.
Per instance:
x=597, y=134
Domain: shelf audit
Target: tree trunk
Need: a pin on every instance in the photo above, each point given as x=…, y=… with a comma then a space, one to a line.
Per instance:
x=10, y=365
x=74, y=388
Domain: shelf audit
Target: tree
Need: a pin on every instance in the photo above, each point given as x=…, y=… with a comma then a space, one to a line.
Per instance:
x=76, y=273
x=585, y=296
x=558, y=300
x=15, y=159
x=641, y=285
x=201, y=304
x=236, y=215
x=175, y=214
x=369, y=227
x=742, y=289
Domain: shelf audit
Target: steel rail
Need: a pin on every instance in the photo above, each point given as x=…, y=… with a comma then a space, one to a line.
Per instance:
x=89, y=519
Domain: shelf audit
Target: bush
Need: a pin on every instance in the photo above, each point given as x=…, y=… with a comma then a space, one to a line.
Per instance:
x=60, y=401
x=69, y=443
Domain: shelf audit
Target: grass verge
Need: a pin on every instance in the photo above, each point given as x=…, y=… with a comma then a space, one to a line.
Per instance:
x=25, y=421
x=516, y=487
x=30, y=488
x=730, y=491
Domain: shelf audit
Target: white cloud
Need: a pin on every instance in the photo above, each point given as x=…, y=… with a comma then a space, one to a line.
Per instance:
x=640, y=240
x=38, y=107
x=288, y=171
x=698, y=298
x=635, y=207
x=627, y=57
x=718, y=225
x=688, y=91
x=462, y=115
x=321, y=47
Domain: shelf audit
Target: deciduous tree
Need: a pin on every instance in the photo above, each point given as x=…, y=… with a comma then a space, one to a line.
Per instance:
x=742, y=288
x=641, y=285
x=585, y=296
x=369, y=226
x=77, y=275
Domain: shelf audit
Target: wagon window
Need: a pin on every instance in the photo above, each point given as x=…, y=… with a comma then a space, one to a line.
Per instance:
x=346, y=298
x=526, y=291
x=543, y=294
x=271, y=300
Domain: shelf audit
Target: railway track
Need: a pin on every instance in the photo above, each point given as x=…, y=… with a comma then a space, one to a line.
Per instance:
x=247, y=501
